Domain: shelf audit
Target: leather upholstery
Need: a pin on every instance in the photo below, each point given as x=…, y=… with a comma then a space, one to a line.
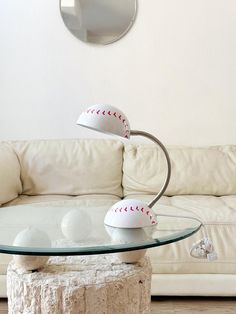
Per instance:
x=207, y=171
x=10, y=183
x=203, y=184
x=70, y=167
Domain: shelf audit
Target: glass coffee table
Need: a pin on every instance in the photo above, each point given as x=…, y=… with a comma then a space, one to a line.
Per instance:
x=62, y=261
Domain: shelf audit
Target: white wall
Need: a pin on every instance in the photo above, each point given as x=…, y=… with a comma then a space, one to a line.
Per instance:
x=174, y=74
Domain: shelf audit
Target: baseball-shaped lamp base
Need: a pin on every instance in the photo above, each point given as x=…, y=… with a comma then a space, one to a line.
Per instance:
x=130, y=214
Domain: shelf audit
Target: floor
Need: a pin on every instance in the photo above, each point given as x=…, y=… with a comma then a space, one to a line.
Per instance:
x=179, y=305
x=3, y=306
x=191, y=305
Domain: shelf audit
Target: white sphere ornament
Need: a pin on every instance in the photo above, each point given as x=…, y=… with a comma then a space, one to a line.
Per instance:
x=76, y=225
x=107, y=119
x=34, y=238
x=130, y=214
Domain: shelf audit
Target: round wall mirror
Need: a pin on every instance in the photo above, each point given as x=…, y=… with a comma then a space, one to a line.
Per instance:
x=98, y=21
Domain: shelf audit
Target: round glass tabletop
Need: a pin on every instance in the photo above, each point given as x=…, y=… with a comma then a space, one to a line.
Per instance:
x=70, y=229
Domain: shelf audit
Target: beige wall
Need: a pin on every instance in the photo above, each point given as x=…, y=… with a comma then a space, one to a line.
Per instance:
x=174, y=74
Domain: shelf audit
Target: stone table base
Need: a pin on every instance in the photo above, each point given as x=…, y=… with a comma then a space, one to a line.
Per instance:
x=98, y=284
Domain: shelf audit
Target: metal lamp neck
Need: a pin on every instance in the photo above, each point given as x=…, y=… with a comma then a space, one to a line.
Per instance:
x=159, y=143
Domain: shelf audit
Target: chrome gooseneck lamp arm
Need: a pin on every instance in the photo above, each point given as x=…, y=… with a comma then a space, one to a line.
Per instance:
x=159, y=143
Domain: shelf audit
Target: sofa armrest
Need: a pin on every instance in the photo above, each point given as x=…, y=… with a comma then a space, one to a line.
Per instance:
x=10, y=183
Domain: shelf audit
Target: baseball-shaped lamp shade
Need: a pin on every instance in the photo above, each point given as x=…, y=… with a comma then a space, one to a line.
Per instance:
x=106, y=119
x=126, y=213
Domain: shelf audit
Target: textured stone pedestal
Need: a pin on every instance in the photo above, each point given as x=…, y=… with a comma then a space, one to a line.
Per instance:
x=81, y=285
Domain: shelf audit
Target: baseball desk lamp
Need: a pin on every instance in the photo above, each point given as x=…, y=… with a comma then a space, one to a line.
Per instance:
x=133, y=213
x=126, y=213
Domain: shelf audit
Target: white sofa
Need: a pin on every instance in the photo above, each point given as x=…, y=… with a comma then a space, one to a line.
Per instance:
x=203, y=184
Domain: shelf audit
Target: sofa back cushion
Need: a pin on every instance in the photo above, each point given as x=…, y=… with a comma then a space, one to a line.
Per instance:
x=10, y=183
x=71, y=167
x=207, y=170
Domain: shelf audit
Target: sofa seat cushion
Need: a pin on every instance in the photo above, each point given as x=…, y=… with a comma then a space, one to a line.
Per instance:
x=27, y=199
x=4, y=261
x=219, y=216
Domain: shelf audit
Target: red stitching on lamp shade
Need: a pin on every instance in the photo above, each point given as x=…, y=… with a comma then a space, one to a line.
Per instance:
x=114, y=114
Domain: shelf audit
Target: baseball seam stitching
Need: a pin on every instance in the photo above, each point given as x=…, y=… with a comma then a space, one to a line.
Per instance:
x=110, y=114
x=125, y=209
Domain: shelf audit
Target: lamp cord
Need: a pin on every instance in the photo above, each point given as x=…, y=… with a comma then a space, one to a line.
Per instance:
x=204, y=247
x=187, y=217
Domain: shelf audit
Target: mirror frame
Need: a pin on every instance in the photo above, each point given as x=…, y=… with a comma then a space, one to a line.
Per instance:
x=132, y=21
